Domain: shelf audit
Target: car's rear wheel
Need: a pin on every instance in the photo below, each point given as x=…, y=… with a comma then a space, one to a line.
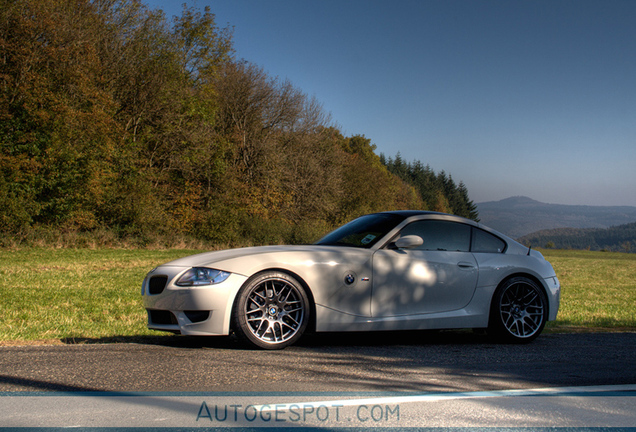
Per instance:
x=271, y=311
x=519, y=311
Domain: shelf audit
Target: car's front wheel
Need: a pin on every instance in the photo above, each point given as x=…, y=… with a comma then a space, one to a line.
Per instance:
x=519, y=311
x=271, y=310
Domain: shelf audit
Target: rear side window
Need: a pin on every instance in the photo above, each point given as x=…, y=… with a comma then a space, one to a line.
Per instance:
x=440, y=235
x=485, y=242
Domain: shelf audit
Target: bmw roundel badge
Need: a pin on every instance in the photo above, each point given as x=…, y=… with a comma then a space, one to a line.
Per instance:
x=349, y=279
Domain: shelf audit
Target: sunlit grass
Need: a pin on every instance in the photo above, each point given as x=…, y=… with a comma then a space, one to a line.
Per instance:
x=75, y=293
x=598, y=289
x=83, y=293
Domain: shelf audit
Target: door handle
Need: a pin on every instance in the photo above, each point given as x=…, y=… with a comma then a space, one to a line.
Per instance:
x=465, y=265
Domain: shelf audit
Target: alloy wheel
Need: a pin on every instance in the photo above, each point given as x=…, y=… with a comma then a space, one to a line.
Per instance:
x=522, y=309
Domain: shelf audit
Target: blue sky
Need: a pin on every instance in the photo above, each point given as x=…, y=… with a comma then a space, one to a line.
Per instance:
x=534, y=98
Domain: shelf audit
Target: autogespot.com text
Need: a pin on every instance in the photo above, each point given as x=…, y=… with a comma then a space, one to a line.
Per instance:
x=297, y=414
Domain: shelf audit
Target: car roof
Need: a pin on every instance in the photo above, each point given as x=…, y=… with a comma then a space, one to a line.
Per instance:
x=408, y=213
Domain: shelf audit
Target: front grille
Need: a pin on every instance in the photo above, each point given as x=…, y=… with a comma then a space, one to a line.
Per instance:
x=163, y=317
x=157, y=284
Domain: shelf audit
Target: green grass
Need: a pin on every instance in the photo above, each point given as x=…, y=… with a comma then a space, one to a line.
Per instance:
x=75, y=293
x=598, y=290
x=66, y=294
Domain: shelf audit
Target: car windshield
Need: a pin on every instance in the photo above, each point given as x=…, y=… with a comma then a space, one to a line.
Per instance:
x=363, y=232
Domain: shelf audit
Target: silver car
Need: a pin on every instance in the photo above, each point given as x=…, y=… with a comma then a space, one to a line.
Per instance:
x=399, y=270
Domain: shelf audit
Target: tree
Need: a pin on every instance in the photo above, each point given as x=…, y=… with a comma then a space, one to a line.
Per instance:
x=113, y=117
x=438, y=191
x=57, y=115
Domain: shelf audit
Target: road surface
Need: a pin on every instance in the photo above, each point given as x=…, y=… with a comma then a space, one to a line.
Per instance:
x=453, y=379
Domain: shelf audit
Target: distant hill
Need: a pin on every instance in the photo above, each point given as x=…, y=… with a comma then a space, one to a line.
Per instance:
x=519, y=216
x=620, y=238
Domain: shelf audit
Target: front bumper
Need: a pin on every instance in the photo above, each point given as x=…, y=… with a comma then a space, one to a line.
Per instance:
x=200, y=310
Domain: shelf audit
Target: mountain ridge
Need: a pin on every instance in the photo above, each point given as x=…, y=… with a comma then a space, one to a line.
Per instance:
x=519, y=216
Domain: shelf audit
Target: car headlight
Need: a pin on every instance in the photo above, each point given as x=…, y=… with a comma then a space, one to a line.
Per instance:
x=198, y=276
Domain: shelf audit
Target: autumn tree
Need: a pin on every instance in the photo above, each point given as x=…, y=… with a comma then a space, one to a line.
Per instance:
x=57, y=125
x=115, y=118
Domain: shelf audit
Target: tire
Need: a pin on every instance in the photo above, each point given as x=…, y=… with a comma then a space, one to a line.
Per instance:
x=519, y=311
x=271, y=311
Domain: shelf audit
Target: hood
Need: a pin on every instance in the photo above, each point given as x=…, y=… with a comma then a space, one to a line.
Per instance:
x=210, y=259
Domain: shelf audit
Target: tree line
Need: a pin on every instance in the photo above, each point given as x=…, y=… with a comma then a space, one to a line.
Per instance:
x=621, y=238
x=438, y=190
x=119, y=123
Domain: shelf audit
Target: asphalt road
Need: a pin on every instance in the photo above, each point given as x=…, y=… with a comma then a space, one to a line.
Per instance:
x=415, y=362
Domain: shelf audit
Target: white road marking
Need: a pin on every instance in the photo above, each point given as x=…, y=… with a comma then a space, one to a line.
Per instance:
x=432, y=397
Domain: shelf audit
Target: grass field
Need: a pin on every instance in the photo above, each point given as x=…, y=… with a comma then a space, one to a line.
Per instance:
x=598, y=290
x=75, y=293
x=79, y=294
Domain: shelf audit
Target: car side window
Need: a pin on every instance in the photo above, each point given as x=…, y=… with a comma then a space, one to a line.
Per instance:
x=440, y=235
x=485, y=242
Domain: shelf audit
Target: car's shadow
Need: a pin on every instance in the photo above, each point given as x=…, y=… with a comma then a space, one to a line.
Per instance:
x=395, y=338
x=308, y=341
x=174, y=341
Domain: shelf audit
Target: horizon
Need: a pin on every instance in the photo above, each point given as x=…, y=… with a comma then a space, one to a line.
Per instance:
x=527, y=98
x=548, y=203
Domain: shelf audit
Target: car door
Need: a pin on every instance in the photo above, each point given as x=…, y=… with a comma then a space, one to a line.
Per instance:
x=439, y=275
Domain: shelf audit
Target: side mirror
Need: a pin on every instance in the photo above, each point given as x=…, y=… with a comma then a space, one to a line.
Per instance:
x=409, y=242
